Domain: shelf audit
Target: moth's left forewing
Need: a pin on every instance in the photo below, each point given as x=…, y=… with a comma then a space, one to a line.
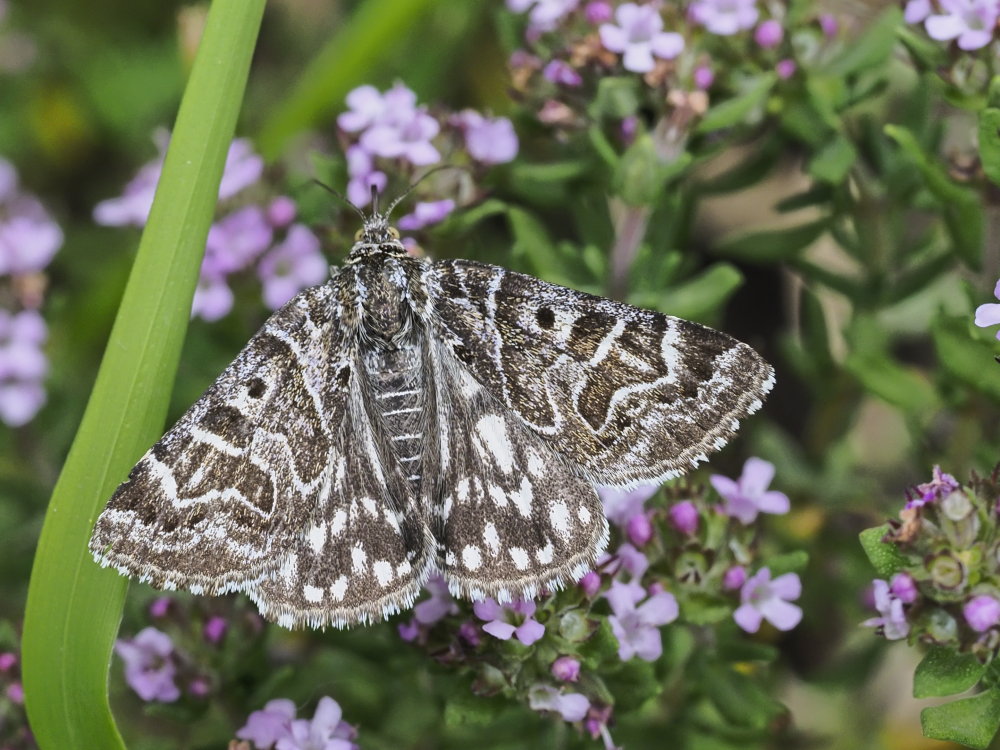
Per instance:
x=627, y=395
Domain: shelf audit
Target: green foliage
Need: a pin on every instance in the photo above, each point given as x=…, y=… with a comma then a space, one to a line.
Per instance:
x=73, y=606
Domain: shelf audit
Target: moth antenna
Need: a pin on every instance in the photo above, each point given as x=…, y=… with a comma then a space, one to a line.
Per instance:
x=416, y=182
x=338, y=194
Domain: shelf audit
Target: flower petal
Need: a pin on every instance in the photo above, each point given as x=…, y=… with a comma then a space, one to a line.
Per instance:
x=748, y=618
x=498, y=629
x=781, y=614
x=757, y=475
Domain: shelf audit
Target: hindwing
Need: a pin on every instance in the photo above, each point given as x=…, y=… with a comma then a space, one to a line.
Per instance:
x=510, y=514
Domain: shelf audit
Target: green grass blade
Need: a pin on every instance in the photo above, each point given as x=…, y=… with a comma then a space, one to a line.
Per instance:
x=74, y=607
x=343, y=63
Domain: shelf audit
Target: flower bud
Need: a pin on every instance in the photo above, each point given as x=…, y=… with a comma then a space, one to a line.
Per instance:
x=982, y=612
x=566, y=669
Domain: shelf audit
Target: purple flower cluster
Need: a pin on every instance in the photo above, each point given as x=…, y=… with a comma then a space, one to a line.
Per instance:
x=29, y=239
x=941, y=485
x=392, y=126
x=744, y=498
x=150, y=665
x=506, y=620
x=892, y=617
x=22, y=366
x=970, y=23
x=636, y=619
x=275, y=726
x=765, y=599
x=286, y=254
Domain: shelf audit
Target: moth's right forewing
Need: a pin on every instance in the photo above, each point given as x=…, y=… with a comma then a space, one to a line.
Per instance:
x=234, y=481
x=629, y=396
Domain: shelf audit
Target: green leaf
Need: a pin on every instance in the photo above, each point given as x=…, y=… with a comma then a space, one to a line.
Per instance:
x=773, y=245
x=945, y=672
x=963, y=215
x=870, y=51
x=763, y=157
x=74, y=607
x=902, y=387
x=641, y=174
x=833, y=161
x=968, y=359
x=533, y=246
x=790, y=562
x=884, y=556
x=736, y=110
x=989, y=143
x=464, y=708
x=972, y=722
x=699, y=297
x=738, y=698
x=616, y=98
x=342, y=64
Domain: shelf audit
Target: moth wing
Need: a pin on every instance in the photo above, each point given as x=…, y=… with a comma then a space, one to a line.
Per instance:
x=211, y=504
x=365, y=554
x=510, y=514
x=629, y=396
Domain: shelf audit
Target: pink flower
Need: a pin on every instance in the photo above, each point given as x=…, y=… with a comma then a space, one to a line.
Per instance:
x=426, y=213
x=636, y=626
x=291, y=266
x=904, y=588
x=236, y=240
x=684, y=517
x=621, y=505
x=213, y=298
x=769, y=34
x=497, y=625
x=769, y=600
x=917, y=10
x=971, y=22
x=703, y=77
x=639, y=529
x=281, y=212
x=724, y=17
x=638, y=36
x=545, y=14
x=22, y=366
x=590, y=583
x=571, y=706
x=404, y=133
x=785, y=69
x=149, y=665
x=989, y=314
x=488, y=140
x=566, y=669
x=266, y=726
x=734, y=578
x=440, y=605
x=243, y=168
x=325, y=731
x=561, y=72
x=597, y=12
x=215, y=629
x=745, y=498
x=362, y=176
x=982, y=612
x=29, y=238
x=892, y=619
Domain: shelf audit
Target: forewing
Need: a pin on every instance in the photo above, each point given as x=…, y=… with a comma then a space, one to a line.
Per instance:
x=627, y=395
x=367, y=550
x=228, y=487
x=509, y=513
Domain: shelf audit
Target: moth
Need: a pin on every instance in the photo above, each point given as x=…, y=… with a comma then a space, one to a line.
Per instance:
x=410, y=417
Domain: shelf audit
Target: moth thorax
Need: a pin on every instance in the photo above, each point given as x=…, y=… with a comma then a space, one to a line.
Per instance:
x=387, y=314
